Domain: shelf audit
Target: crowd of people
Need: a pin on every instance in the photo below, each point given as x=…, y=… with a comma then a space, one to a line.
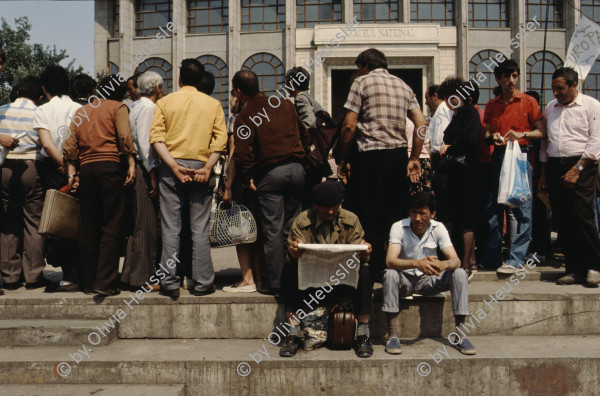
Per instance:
x=144, y=173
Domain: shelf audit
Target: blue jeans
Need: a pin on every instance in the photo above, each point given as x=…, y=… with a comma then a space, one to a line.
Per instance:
x=495, y=214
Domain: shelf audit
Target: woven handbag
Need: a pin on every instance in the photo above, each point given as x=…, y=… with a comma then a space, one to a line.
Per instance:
x=233, y=226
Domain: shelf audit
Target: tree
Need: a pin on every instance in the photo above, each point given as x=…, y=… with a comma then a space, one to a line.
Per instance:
x=24, y=59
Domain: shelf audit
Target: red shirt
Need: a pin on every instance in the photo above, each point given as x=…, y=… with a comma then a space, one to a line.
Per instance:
x=518, y=115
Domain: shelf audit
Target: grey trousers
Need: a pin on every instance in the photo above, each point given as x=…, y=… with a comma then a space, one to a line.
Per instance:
x=173, y=194
x=280, y=201
x=22, y=197
x=400, y=284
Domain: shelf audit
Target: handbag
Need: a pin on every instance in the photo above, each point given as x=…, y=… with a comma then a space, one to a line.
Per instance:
x=233, y=226
x=341, y=327
x=460, y=160
x=60, y=216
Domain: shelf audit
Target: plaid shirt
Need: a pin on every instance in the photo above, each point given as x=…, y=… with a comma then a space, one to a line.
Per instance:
x=382, y=102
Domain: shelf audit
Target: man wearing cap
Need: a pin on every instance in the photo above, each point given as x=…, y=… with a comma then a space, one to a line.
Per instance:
x=326, y=222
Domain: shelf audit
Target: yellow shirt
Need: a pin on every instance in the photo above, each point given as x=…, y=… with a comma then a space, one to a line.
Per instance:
x=190, y=123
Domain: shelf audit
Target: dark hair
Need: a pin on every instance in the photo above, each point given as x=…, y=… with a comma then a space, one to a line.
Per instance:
x=473, y=91
x=433, y=89
x=497, y=91
x=31, y=88
x=207, y=83
x=82, y=86
x=450, y=86
x=14, y=93
x=568, y=73
x=421, y=200
x=134, y=78
x=509, y=66
x=246, y=81
x=56, y=80
x=191, y=72
x=111, y=88
x=293, y=72
x=534, y=95
x=372, y=59
x=2, y=56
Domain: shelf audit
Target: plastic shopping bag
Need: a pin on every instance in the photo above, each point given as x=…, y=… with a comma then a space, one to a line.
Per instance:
x=514, y=189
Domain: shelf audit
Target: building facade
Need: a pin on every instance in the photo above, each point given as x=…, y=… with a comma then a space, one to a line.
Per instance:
x=424, y=40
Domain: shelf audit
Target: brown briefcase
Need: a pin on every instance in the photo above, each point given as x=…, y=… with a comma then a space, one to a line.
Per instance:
x=341, y=327
x=60, y=216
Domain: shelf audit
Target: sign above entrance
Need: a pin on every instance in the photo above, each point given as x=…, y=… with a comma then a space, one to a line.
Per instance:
x=380, y=34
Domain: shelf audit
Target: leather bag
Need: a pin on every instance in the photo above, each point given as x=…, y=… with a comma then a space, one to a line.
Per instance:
x=341, y=327
x=60, y=216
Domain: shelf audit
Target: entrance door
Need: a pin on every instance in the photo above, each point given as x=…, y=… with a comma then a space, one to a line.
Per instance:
x=341, y=80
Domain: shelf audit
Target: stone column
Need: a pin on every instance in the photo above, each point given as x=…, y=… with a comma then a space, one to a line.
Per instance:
x=178, y=40
x=462, y=39
x=290, y=35
x=517, y=21
x=404, y=7
x=233, y=39
x=348, y=11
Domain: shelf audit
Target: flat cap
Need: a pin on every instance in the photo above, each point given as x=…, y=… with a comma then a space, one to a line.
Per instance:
x=328, y=193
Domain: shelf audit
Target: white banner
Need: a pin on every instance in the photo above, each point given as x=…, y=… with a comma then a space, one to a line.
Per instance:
x=584, y=47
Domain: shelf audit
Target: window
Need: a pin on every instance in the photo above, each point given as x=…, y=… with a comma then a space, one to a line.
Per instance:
x=591, y=9
x=112, y=68
x=488, y=14
x=218, y=68
x=592, y=81
x=476, y=66
x=208, y=16
x=268, y=68
x=260, y=15
x=161, y=67
x=115, y=18
x=311, y=12
x=432, y=11
x=534, y=74
x=376, y=11
x=537, y=8
x=150, y=15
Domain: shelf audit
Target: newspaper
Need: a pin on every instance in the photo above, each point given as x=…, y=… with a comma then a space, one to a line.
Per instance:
x=321, y=263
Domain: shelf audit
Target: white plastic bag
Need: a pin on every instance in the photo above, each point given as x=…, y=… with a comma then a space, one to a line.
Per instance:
x=514, y=189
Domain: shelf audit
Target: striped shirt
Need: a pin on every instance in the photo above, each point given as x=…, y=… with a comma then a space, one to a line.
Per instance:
x=382, y=102
x=15, y=118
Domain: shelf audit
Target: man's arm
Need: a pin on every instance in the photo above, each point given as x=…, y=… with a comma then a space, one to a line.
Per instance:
x=48, y=145
x=413, y=170
x=345, y=145
x=427, y=266
x=182, y=173
x=538, y=133
x=452, y=261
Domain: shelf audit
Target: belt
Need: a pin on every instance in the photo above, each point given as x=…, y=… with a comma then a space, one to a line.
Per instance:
x=564, y=160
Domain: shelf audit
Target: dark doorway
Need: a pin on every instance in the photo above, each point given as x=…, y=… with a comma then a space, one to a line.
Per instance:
x=341, y=81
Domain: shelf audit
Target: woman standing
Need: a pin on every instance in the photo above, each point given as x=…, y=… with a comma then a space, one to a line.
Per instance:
x=459, y=153
x=99, y=135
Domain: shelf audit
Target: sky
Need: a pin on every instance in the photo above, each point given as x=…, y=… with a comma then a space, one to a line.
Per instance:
x=67, y=24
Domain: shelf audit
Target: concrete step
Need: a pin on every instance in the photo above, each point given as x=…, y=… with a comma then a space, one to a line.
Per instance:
x=92, y=389
x=528, y=308
x=42, y=332
x=504, y=365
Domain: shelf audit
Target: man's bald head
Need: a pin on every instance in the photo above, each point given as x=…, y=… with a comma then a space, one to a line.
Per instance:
x=246, y=81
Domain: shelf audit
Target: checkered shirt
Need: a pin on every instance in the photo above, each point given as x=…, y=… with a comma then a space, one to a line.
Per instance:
x=382, y=102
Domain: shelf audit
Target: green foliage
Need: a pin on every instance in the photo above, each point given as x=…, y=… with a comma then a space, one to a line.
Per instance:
x=24, y=59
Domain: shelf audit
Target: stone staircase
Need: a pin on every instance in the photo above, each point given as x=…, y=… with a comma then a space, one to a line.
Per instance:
x=533, y=338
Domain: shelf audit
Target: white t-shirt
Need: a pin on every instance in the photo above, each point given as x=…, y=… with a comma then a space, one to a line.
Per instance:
x=413, y=248
x=140, y=121
x=56, y=116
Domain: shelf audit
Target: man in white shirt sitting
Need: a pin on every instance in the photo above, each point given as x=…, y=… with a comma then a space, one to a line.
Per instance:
x=413, y=267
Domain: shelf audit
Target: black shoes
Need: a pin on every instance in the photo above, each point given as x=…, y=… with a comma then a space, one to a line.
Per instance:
x=108, y=292
x=36, y=285
x=363, y=347
x=12, y=285
x=173, y=293
x=290, y=346
x=57, y=288
x=269, y=291
x=206, y=292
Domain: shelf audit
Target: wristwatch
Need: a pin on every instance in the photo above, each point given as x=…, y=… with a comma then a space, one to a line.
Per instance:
x=579, y=167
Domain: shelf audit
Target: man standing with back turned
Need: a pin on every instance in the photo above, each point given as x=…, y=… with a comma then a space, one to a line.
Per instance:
x=572, y=152
x=378, y=104
x=188, y=133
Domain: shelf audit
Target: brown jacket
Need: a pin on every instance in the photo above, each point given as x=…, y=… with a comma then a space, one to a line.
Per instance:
x=99, y=132
x=266, y=136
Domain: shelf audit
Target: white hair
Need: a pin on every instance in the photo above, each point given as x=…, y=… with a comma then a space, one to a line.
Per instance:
x=148, y=82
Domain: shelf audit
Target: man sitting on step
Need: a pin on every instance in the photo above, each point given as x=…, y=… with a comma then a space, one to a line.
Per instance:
x=413, y=267
x=327, y=223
